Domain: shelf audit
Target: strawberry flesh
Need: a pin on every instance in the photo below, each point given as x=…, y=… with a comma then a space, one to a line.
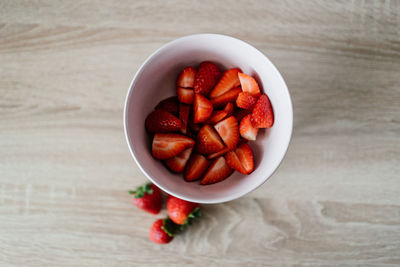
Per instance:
x=186, y=77
x=229, y=96
x=202, y=108
x=195, y=168
x=233, y=161
x=246, y=128
x=166, y=146
x=208, y=141
x=228, y=130
x=161, y=121
x=228, y=80
x=184, y=116
x=185, y=95
x=249, y=84
x=177, y=164
x=246, y=157
x=246, y=100
x=217, y=172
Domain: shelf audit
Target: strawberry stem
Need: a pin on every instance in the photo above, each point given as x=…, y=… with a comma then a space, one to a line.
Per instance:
x=142, y=190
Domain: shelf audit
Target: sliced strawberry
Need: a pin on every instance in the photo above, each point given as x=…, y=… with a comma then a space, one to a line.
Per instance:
x=177, y=164
x=228, y=130
x=208, y=141
x=241, y=113
x=169, y=104
x=202, y=108
x=228, y=80
x=216, y=116
x=184, y=116
x=229, y=96
x=229, y=108
x=218, y=154
x=206, y=77
x=246, y=100
x=195, y=168
x=246, y=128
x=233, y=161
x=185, y=95
x=186, y=78
x=246, y=157
x=249, y=84
x=161, y=121
x=166, y=146
x=217, y=172
x=263, y=115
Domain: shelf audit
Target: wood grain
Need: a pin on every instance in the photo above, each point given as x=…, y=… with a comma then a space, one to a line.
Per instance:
x=65, y=167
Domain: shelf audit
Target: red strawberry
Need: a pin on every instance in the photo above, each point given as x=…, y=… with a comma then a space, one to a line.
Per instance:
x=229, y=108
x=195, y=168
x=246, y=100
x=228, y=130
x=208, y=141
x=249, y=84
x=184, y=116
x=218, y=154
x=161, y=121
x=217, y=172
x=216, y=116
x=206, y=78
x=185, y=95
x=169, y=104
x=166, y=146
x=263, y=115
x=246, y=157
x=186, y=78
x=246, y=128
x=202, y=108
x=177, y=164
x=159, y=232
x=233, y=161
x=148, y=198
x=228, y=80
x=229, y=96
x=181, y=211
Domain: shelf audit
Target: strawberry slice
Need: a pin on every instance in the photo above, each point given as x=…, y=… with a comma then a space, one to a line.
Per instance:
x=249, y=84
x=241, y=113
x=161, y=121
x=206, y=77
x=202, y=108
x=228, y=80
x=185, y=95
x=217, y=172
x=233, y=161
x=208, y=141
x=218, y=154
x=169, y=145
x=246, y=157
x=263, y=115
x=186, y=78
x=228, y=130
x=195, y=168
x=246, y=100
x=229, y=108
x=246, y=128
x=216, y=116
x=169, y=104
x=229, y=96
x=184, y=116
x=177, y=164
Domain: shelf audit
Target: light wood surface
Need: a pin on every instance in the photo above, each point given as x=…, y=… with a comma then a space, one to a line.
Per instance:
x=65, y=67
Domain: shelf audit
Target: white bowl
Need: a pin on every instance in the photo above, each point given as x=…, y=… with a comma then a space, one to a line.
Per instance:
x=155, y=80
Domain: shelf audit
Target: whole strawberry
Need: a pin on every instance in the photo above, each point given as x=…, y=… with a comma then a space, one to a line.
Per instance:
x=148, y=198
x=206, y=78
x=163, y=230
x=181, y=211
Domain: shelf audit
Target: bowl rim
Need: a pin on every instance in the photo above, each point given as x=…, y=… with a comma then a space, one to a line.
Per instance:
x=214, y=200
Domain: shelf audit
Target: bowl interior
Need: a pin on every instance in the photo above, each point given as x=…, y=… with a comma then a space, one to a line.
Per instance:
x=155, y=81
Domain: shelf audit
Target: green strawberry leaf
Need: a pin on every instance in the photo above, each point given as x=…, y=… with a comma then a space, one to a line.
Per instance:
x=170, y=228
x=142, y=190
x=196, y=213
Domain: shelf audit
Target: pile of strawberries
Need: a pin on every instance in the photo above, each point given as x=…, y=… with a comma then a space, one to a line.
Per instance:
x=181, y=213
x=203, y=132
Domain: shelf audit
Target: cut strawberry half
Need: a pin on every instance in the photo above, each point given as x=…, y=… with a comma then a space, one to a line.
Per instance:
x=202, y=108
x=229, y=96
x=184, y=116
x=229, y=108
x=208, y=141
x=217, y=172
x=246, y=157
x=206, y=77
x=263, y=115
x=228, y=130
x=216, y=116
x=233, y=161
x=228, y=80
x=249, y=84
x=177, y=164
x=169, y=104
x=169, y=145
x=218, y=154
x=161, y=121
x=186, y=78
x=246, y=128
x=246, y=100
x=195, y=168
x=185, y=95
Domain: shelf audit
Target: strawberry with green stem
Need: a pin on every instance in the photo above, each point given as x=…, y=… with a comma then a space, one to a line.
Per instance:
x=182, y=212
x=148, y=197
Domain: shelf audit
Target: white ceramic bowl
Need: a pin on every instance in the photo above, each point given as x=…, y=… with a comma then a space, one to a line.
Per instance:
x=155, y=80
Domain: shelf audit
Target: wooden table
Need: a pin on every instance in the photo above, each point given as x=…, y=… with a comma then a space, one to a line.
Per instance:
x=65, y=67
